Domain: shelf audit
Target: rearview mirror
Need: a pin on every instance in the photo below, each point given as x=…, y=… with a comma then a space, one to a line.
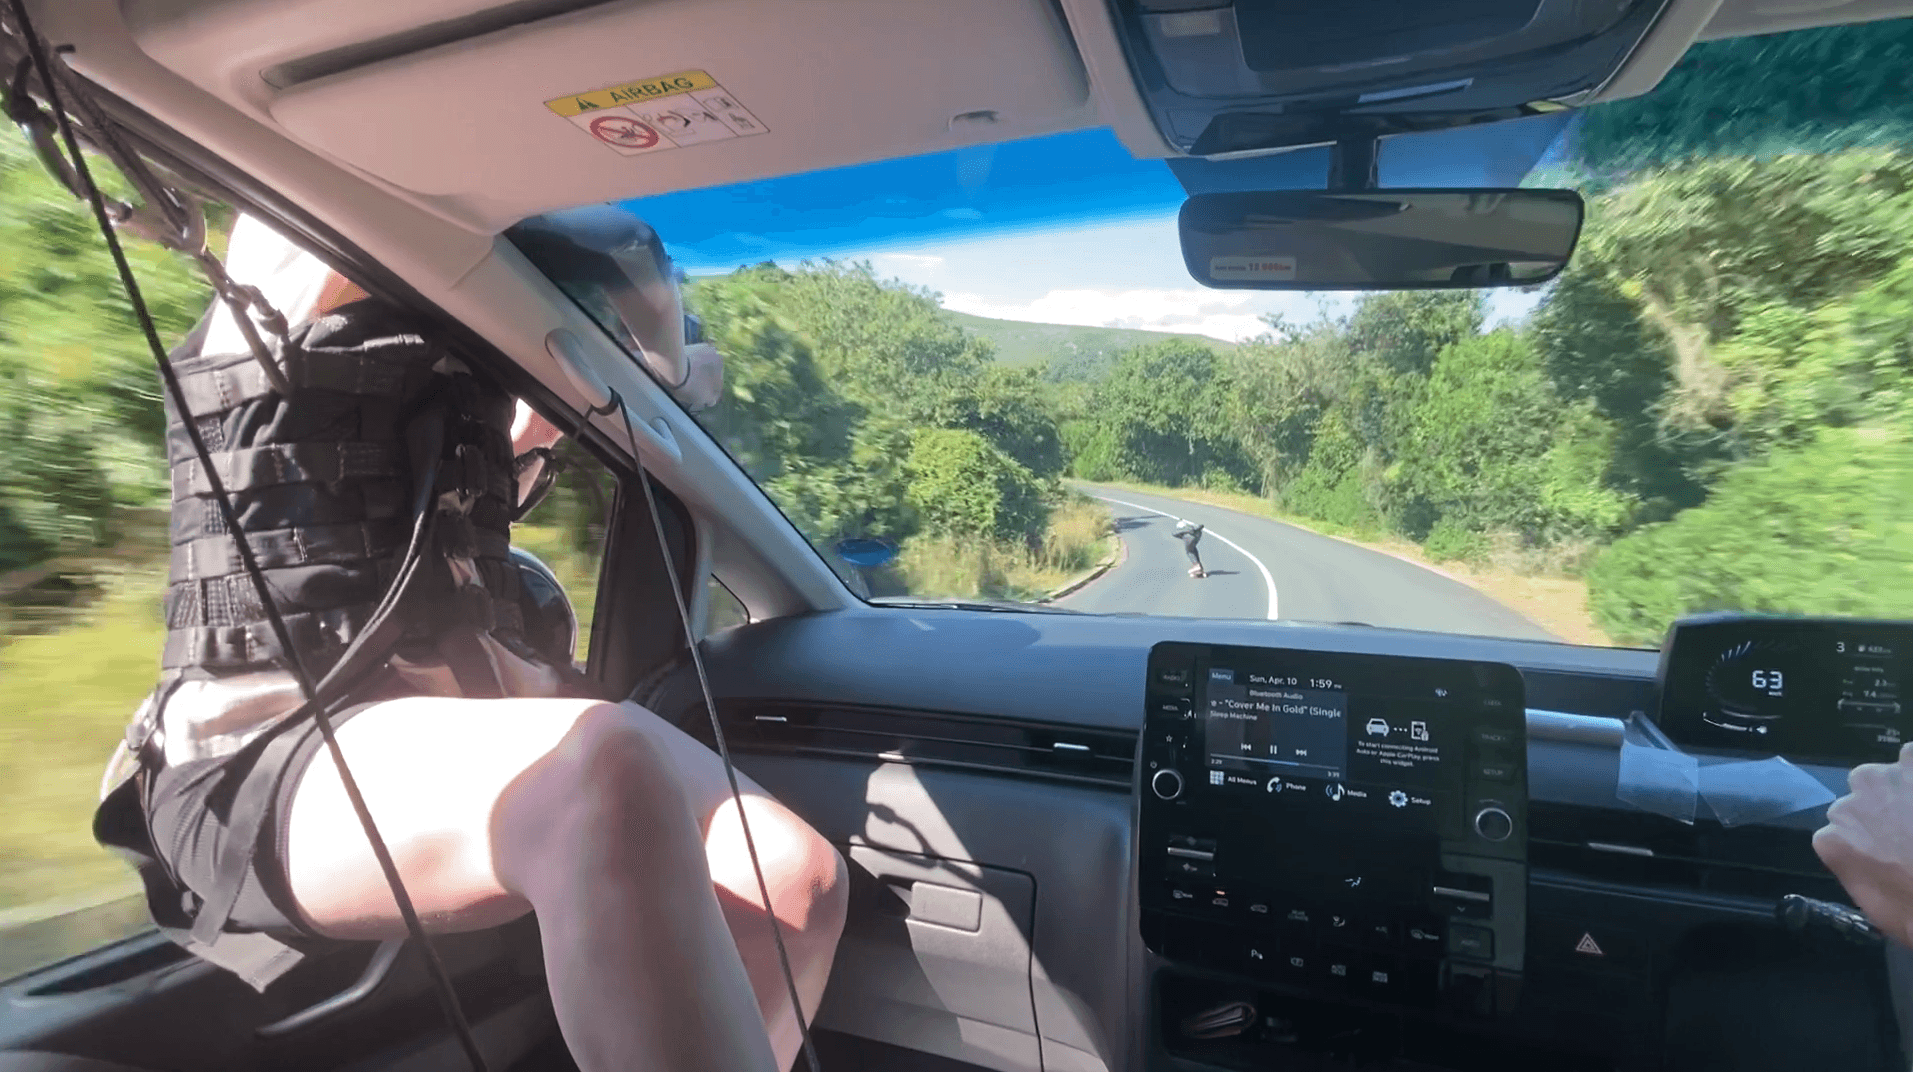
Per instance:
x=1379, y=239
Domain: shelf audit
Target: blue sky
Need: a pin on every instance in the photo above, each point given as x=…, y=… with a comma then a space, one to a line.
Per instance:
x=1063, y=230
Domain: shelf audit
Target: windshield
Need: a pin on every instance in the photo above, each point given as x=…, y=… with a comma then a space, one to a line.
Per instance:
x=985, y=375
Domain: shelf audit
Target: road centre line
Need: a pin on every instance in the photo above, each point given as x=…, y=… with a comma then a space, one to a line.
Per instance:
x=1267, y=578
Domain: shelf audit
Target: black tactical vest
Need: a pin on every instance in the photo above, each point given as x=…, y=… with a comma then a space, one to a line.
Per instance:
x=384, y=440
x=324, y=484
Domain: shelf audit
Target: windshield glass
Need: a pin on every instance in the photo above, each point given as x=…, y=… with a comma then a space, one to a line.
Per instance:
x=994, y=362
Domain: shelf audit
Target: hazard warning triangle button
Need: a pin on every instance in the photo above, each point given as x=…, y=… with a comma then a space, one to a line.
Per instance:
x=1587, y=946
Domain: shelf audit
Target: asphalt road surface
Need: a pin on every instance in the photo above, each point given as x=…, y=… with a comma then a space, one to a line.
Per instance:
x=1260, y=568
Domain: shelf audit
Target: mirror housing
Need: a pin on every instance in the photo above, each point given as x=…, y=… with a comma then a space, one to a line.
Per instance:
x=1354, y=239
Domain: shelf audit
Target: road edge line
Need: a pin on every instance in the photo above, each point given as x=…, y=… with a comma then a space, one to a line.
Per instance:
x=1267, y=577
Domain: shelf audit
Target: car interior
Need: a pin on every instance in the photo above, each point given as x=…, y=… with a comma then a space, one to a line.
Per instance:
x=1070, y=850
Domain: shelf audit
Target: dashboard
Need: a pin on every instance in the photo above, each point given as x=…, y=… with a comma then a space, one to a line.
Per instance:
x=1232, y=845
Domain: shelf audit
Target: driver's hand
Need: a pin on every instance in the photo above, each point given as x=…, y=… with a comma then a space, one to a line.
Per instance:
x=1868, y=843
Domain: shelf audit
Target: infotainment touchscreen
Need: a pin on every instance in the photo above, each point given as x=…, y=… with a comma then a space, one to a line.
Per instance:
x=1347, y=734
x=1808, y=688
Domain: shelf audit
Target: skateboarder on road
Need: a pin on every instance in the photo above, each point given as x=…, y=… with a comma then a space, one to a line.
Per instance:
x=1191, y=534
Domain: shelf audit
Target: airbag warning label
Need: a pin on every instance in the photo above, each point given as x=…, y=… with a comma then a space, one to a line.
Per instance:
x=651, y=115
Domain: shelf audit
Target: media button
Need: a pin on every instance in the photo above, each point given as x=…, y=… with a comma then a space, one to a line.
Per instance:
x=1171, y=709
x=1495, y=738
x=1171, y=679
x=1185, y=868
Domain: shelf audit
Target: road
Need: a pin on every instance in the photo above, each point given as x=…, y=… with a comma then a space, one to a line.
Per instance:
x=1260, y=568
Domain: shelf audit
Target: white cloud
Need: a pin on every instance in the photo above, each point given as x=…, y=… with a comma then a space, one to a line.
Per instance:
x=1228, y=315
x=899, y=261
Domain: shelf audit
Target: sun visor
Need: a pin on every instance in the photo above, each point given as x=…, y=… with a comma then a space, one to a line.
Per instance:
x=534, y=110
x=1251, y=76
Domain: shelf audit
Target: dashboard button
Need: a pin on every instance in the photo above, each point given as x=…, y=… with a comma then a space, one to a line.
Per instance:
x=1337, y=966
x=1258, y=956
x=1597, y=945
x=1378, y=933
x=1300, y=917
x=1184, y=868
x=1380, y=977
x=1171, y=679
x=1474, y=943
x=1422, y=936
x=1494, y=823
x=1496, y=770
x=1182, y=896
x=1166, y=783
x=1170, y=709
x=1494, y=738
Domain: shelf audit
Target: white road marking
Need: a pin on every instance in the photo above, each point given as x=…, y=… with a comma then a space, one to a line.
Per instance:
x=1267, y=578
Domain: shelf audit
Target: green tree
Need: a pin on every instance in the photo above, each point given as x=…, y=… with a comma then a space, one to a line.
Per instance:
x=1490, y=448
x=962, y=485
x=79, y=397
x=1806, y=91
x=1164, y=407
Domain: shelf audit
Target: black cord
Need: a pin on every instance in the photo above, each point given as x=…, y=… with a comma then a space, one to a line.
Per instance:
x=448, y=996
x=717, y=729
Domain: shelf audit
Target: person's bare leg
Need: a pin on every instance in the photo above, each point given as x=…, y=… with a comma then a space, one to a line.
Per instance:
x=808, y=881
x=491, y=807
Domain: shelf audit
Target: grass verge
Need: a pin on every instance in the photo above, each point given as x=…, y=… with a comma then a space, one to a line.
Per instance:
x=66, y=697
x=1554, y=601
x=1077, y=539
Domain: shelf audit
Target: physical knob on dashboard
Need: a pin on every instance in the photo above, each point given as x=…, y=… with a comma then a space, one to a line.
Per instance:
x=1167, y=784
x=1494, y=824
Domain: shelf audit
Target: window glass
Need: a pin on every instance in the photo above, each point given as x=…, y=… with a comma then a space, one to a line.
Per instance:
x=567, y=532
x=994, y=360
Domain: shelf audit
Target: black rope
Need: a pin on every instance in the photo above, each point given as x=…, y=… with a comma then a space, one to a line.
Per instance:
x=717, y=730
x=448, y=996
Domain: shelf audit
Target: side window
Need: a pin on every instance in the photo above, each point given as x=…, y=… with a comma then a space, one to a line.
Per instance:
x=567, y=532
x=726, y=612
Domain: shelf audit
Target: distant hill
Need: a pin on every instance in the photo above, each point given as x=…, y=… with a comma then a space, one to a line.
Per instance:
x=1018, y=343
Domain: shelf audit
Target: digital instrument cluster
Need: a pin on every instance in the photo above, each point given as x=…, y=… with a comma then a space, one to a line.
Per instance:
x=1345, y=822
x=1817, y=689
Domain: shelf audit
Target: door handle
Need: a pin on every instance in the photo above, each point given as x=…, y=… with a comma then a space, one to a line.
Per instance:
x=376, y=972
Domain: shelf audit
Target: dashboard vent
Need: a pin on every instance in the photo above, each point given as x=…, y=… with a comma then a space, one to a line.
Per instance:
x=1637, y=847
x=1001, y=746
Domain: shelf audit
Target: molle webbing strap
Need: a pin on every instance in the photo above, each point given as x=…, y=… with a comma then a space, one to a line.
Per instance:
x=287, y=463
x=216, y=390
x=215, y=556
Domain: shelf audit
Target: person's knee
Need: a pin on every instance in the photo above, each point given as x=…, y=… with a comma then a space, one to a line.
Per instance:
x=808, y=880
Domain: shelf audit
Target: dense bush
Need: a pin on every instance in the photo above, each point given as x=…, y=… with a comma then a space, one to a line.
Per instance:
x=1822, y=529
x=962, y=484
